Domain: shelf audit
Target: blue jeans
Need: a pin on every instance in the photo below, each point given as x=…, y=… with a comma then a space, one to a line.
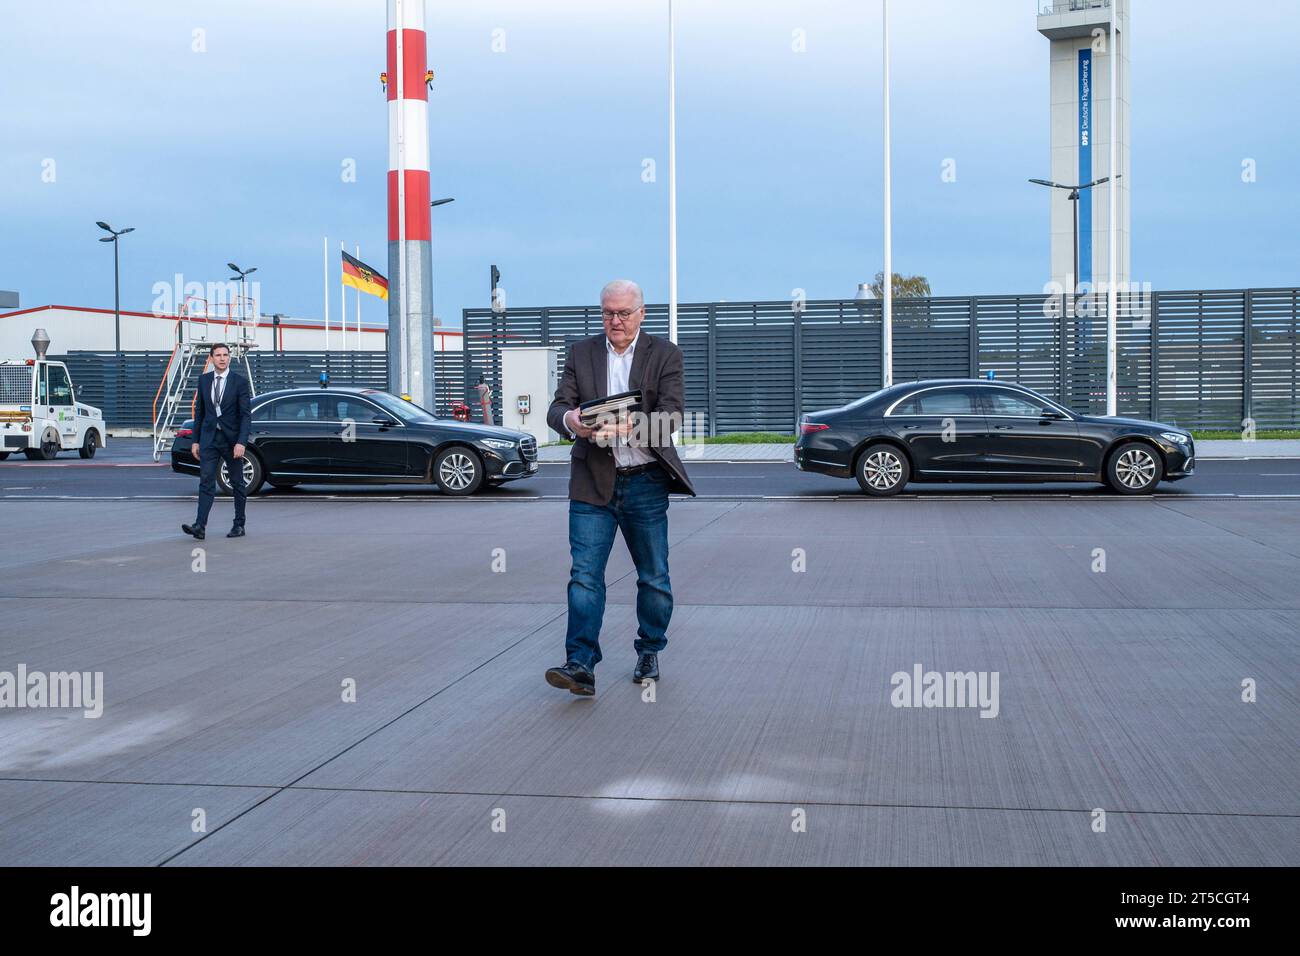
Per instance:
x=639, y=508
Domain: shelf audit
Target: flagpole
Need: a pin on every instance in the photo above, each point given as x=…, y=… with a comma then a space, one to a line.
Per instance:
x=343, y=300
x=672, y=180
x=358, y=307
x=887, y=290
x=1112, y=292
x=325, y=262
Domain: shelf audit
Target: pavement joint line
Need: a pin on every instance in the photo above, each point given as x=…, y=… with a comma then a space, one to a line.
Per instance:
x=1045, y=496
x=99, y=599
x=725, y=801
x=563, y=462
x=783, y=803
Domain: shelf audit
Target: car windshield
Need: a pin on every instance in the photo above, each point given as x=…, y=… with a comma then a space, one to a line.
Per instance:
x=404, y=410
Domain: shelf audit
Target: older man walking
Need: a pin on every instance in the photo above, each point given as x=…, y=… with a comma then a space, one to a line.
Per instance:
x=620, y=477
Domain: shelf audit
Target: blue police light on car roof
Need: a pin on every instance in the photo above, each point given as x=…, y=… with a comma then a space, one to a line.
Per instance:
x=324, y=379
x=989, y=375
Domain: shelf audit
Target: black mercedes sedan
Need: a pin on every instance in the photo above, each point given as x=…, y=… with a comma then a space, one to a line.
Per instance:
x=365, y=436
x=982, y=430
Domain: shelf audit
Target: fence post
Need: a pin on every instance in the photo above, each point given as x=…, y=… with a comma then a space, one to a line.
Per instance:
x=1155, y=356
x=797, y=332
x=1247, y=359
x=974, y=340
x=1062, y=346
x=713, y=369
x=464, y=364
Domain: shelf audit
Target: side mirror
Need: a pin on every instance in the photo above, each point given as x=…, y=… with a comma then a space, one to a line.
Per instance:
x=383, y=420
x=1052, y=415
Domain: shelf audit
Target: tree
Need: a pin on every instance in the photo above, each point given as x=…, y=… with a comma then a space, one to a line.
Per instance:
x=906, y=314
x=903, y=287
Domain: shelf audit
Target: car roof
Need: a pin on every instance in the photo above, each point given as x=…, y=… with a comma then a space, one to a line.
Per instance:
x=313, y=390
x=926, y=382
x=899, y=388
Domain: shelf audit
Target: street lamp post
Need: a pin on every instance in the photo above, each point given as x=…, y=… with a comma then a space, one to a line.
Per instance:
x=117, y=302
x=241, y=275
x=1073, y=197
x=436, y=202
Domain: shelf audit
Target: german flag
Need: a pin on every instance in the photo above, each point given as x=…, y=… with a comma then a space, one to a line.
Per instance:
x=360, y=276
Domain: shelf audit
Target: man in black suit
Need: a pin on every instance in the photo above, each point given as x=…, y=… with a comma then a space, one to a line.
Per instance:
x=222, y=415
x=619, y=480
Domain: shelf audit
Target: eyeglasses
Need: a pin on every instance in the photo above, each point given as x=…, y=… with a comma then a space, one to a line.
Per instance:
x=622, y=315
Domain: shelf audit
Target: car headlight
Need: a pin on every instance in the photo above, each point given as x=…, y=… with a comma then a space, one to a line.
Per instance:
x=497, y=443
x=1175, y=437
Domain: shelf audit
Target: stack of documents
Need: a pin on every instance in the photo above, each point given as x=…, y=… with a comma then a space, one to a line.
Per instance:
x=611, y=405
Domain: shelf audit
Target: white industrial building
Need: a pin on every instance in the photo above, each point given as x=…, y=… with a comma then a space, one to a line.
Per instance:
x=74, y=329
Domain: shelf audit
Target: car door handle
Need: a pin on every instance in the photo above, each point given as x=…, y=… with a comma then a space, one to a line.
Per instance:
x=908, y=428
x=1003, y=427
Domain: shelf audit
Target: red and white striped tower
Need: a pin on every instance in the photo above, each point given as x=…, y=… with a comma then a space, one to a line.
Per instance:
x=410, y=258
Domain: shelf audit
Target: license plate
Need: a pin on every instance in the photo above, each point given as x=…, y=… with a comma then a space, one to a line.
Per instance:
x=532, y=466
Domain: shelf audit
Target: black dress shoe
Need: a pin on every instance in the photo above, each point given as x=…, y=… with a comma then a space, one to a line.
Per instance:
x=647, y=668
x=236, y=532
x=194, y=529
x=574, y=678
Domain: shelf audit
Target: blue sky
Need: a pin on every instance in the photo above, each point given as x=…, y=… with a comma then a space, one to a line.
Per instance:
x=235, y=153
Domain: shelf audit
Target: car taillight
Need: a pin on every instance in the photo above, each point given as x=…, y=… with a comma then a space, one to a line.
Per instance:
x=808, y=428
x=184, y=433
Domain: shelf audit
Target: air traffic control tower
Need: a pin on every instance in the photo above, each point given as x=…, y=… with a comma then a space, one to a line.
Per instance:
x=1079, y=32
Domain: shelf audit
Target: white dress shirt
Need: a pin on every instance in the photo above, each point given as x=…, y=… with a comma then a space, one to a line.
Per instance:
x=219, y=377
x=618, y=368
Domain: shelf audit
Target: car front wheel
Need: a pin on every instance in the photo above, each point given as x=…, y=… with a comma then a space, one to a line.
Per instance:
x=48, y=449
x=1134, y=469
x=882, y=470
x=91, y=443
x=253, y=475
x=457, y=471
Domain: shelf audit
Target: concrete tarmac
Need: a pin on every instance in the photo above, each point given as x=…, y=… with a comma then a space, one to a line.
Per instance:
x=772, y=737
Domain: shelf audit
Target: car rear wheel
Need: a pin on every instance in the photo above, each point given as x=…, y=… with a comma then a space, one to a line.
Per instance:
x=4, y=455
x=88, y=447
x=458, y=471
x=253, y=475
x=882, y=470
x=1134, y=469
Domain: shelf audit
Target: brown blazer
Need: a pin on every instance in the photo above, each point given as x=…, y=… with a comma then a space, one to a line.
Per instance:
x=657, y=371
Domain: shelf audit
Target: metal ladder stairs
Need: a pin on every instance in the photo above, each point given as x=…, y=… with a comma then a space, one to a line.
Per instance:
x=174, y=401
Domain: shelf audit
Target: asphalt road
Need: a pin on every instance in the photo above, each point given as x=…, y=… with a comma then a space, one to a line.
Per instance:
x=124, y=470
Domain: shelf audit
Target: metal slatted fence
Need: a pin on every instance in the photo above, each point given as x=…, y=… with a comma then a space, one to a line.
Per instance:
x=123, y=384
x=1201, y=358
